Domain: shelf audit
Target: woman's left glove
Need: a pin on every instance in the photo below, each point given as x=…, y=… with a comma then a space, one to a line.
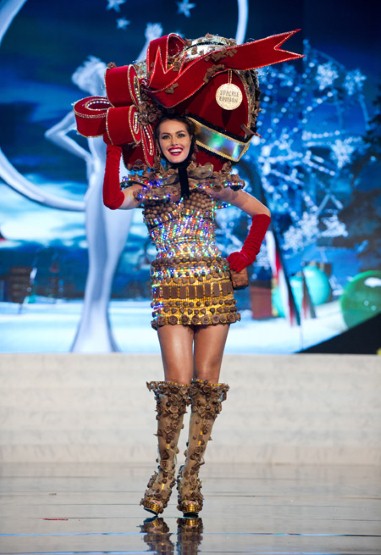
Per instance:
x=241, y=259
x=113, y=196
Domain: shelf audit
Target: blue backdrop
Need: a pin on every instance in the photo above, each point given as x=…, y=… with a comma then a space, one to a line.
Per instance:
x=316, y=163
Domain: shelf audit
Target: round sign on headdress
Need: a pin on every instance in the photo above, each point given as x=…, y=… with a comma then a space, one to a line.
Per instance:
x=228, y=95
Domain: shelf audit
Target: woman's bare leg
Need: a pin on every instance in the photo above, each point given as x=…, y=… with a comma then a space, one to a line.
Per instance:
x=206, y=395
x=176, y=344
x=209, y=344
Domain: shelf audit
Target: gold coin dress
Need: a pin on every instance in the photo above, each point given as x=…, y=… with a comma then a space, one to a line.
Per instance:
x=190, y=279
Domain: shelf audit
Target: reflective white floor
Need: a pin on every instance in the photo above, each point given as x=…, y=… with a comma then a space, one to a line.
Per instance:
x=249, y=509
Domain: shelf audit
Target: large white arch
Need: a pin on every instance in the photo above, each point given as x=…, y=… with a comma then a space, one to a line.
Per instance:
x=8, y=11
x=106, y=231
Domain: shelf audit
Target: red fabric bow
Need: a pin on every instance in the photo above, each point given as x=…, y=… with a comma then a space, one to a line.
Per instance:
x=171, y=80
x=122, y=118
x=125, y=117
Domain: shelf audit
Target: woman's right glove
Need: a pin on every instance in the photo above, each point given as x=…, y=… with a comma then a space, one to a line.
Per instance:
x=113, y=196
x=241, y=259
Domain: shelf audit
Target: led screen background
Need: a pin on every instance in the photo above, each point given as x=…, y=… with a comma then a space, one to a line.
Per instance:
x=316, y=163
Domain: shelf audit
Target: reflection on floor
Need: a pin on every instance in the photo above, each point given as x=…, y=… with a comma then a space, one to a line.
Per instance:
x=249, y=509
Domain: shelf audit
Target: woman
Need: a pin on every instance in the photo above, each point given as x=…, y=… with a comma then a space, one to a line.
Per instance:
x=193, y=303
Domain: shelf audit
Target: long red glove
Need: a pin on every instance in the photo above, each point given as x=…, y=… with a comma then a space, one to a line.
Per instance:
x=113, y=196
x=241, y=259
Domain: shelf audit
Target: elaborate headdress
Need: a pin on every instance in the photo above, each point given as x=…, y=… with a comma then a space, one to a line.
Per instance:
x=211, y=80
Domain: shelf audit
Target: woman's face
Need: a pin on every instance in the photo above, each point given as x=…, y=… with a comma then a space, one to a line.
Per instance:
x=174, y=140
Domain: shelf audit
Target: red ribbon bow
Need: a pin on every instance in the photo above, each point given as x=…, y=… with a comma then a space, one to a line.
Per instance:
x=122, y=118
x=170, y=84
x=125, y=118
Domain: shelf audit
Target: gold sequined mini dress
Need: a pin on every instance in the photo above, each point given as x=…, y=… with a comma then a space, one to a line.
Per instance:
x=190, y=279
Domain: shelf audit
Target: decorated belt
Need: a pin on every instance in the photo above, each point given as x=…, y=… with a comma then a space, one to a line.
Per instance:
x=189, y=262
x=199, y=291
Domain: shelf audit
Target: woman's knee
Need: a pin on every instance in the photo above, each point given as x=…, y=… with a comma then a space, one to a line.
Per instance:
x=208, y=370
x=209, y=349
x=177, y=353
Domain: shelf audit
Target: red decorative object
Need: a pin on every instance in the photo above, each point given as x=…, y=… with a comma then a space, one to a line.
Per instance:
x=183, y=76
x=241, y=259
x=170, y=84
x=122, y=118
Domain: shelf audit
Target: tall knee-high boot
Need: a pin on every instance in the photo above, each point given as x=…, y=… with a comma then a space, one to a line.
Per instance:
x=206, y=399
x=171, y=402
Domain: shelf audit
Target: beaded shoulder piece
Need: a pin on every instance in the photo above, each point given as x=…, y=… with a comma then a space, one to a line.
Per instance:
x=165, y=186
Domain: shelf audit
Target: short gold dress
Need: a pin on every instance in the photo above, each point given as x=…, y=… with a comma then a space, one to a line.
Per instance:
x=190, y=279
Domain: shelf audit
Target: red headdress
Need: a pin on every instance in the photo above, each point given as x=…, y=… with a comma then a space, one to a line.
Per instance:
x=210, y=80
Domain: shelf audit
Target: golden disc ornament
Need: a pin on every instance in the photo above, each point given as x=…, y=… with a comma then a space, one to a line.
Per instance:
x=229, y=96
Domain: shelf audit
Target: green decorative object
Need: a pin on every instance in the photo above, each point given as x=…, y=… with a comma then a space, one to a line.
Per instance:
x=361, y=298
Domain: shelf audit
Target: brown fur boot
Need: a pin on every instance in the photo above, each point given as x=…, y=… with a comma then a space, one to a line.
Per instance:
x=206, y=399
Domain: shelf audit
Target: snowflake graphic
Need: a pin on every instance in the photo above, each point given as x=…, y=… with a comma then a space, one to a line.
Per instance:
x=184, y=7
x=122, y=23
x=306, y=139
x=354, y=82
x=326, y=74
x=342, y=151
x=115, y=4
x=333, y=227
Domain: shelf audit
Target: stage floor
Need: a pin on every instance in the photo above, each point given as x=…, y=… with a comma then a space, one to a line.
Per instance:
x=249, y=509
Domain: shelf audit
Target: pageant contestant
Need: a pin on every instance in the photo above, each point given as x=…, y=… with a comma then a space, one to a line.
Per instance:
x=186, y=117
x=193, y=302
